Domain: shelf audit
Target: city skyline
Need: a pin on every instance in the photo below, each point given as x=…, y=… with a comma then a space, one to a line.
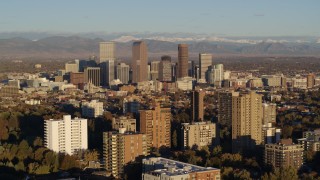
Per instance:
x=231, y=18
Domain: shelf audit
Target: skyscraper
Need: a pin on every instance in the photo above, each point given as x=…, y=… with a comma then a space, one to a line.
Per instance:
x=197, y=105
x=205, y=61
x=139, y=63
x=66, y=135
x=218, y=74
x=165, y=69
x=183, y=59
x=123, y=73
x=155, y=123
x=154, y=70
x=191, y=69
x=107, y=71
x=107, y=51
x=246, y=121
x=92, y=75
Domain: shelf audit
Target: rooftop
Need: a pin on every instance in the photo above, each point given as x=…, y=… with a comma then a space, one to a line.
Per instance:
x=173, y=168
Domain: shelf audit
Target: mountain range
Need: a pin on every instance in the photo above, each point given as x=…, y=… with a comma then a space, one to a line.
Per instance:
x=83, y=47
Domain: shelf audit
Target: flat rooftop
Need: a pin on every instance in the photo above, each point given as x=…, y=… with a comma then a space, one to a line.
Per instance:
x=172, y=167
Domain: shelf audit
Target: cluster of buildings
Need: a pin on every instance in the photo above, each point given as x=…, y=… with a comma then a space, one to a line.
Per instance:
x=240, y=104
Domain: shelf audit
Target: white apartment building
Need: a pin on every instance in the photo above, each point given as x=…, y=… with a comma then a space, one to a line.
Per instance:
x=66, y=135
x=92, y=109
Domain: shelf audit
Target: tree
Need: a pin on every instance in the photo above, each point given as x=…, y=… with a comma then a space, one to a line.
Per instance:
x=216, y=151
x=4, y=132
x=20, y=166
x=68, y=162
x=287, y=131
x=37, y=142
x=91, y=156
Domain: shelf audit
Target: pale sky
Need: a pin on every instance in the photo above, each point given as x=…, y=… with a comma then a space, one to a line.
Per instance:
x=220, y=17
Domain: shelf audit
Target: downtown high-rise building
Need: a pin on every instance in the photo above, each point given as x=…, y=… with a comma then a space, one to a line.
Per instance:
x=66, y=135
x=139, y=62
x=165, y=69
x=183, y=58
x=107, y=51
x=191, y=69
x=123, y=73
x=197, y=106
x=92, y=75
x=218, y=74
x=246, y=121
x=205, y=62
x=156, y=124
x=107, y=72
x=154, y=70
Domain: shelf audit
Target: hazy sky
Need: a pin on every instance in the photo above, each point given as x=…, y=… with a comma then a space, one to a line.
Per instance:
x=219, y=17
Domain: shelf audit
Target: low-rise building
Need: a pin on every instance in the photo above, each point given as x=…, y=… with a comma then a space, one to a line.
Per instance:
x=161, y=169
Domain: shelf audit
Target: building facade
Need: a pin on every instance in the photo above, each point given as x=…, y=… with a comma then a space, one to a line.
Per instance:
x=107, y=72
x=139, y=63
x=284, y=154
x=124, y=122
x=165, y=69
x=156, y=124
x=205, y=61
x=183, y=58
x=225, y=107
x=120, y=148
x=246, y=121
x=123, y=73
x=197, y=106
x=198, y=134
x=269, y=113
x=310, y=140
x=107, y=51
x=92, y=109
x=92, y=75
x=66, y=135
